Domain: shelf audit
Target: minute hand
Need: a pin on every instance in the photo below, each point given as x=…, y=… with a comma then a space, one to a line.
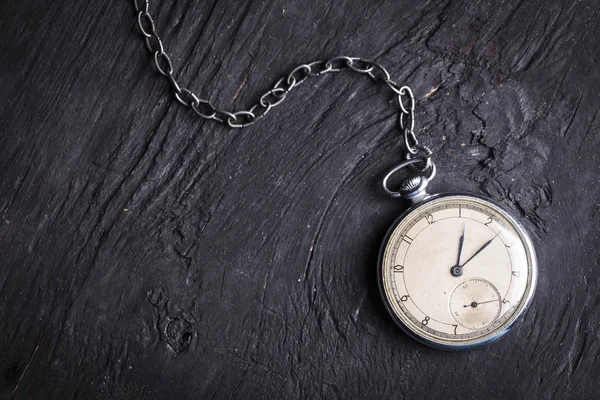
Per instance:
x=480, y=249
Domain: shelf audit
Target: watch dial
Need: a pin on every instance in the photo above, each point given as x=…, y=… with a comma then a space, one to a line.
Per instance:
x=457, y=271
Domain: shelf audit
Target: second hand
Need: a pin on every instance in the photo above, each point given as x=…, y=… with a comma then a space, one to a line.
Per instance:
x=475, y=303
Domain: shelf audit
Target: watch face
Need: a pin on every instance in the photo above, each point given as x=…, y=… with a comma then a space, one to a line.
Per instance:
x=457, y=271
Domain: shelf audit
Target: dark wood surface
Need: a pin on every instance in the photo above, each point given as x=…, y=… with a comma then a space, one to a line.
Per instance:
x=145, y=253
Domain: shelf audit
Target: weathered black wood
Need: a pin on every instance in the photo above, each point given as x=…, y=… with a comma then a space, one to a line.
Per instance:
x=147, y=254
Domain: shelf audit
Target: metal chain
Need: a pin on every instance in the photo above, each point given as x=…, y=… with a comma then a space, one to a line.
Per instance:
x=239, y=119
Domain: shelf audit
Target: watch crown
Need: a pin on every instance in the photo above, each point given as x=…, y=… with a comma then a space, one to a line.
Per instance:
x=410, y=185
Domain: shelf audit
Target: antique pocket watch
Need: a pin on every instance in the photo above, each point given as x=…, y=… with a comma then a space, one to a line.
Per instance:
x=455, y=271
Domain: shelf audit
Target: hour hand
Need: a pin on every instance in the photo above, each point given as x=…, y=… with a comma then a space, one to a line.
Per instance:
x=461, y=244
x=456, y=270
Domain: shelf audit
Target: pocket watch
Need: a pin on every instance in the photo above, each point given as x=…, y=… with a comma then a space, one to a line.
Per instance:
x=455, y=271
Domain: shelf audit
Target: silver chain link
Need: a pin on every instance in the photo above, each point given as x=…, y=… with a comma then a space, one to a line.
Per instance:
x=239, y=119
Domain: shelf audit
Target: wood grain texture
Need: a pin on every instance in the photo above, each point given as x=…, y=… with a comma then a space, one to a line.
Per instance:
x=148, y=254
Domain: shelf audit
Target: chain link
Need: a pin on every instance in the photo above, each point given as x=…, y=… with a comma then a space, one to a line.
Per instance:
x=272, y=98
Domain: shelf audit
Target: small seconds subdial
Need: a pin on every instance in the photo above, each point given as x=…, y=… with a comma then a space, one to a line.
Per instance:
x=475, y=304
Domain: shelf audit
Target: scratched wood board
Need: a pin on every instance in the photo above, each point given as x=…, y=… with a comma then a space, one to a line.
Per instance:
x=147, y=253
